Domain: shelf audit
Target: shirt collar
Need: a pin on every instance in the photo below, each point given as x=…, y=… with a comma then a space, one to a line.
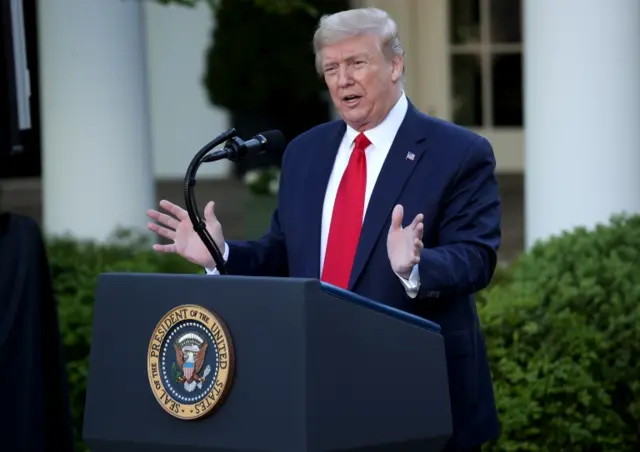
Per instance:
x=382, y=135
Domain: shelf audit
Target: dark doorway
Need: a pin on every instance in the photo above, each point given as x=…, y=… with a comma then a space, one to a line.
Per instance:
x=20, y=149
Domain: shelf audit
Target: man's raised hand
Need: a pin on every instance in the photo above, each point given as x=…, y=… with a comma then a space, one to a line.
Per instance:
x=404, y=244
x=176, y=226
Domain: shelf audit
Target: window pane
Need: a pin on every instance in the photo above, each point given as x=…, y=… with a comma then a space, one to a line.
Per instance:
x=467, y=90
x=464, y=21
x=507, y=89
x=506, y=22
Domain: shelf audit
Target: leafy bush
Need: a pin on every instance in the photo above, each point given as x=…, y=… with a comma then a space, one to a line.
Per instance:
x=75, y=267
x=563, y=337
x=263, y=182
x=561, y=324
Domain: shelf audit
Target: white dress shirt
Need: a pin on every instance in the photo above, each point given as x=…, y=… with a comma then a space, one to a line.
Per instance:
x=381, y=138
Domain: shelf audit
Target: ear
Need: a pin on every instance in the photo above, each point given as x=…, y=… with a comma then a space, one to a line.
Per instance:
x=397, y=68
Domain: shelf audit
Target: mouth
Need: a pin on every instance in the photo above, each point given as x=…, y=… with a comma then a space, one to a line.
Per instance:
x=351, y=100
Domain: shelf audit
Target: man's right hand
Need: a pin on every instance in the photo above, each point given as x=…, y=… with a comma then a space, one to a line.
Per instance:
x=179, y=229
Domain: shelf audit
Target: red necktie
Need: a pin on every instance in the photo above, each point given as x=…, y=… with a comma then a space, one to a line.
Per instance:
x=346, y=221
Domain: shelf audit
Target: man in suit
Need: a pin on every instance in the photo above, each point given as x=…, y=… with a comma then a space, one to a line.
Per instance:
x=346, y=188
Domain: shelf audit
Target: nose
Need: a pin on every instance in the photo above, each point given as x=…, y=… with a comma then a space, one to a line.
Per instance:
x=344, y=78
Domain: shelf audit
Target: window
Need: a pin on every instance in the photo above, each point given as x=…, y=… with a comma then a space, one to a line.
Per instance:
x=486, y=62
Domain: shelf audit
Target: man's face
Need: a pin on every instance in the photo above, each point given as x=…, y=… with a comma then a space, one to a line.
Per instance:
x=363, y=84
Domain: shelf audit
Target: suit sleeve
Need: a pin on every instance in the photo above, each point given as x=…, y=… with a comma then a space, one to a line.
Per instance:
x=469, y=235
x=266, y=256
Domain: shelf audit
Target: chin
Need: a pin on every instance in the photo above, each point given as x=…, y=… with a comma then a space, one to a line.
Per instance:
x=356, y=116
x=356, y=122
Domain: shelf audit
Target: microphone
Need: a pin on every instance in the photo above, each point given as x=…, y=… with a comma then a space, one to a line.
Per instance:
x=236, y=149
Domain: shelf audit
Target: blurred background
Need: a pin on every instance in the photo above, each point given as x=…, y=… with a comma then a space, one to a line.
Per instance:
x=107, y=101
x=168, y=76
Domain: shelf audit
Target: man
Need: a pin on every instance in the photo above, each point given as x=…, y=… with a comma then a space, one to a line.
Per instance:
x=346, y=188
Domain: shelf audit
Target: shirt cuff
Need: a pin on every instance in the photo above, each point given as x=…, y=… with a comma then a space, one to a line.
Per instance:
x=225, y=256
x=411, y=285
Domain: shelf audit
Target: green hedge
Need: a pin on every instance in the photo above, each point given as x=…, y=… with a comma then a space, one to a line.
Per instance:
x=562, y=326
x=75, y=267
x=563, y=334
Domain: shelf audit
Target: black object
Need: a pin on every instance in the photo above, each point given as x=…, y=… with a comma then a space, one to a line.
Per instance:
x=317, y=369
x=19, y=92
x=190, y=201
x=237, y=149
x=36, y=414
x=9, y=132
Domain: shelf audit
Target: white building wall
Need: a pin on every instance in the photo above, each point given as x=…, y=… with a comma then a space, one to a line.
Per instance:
x=182, y=119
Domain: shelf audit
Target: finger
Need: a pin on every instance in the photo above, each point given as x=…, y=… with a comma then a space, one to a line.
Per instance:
x=418, y=245
x=419, y=229
x=170, y=248
x=163, y=218
x=396, y=217
x=174, y=209
x=417, y=220
x=209, y=214
x=160, y=230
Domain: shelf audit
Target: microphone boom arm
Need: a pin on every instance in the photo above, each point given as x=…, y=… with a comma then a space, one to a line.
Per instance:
x=199, y=225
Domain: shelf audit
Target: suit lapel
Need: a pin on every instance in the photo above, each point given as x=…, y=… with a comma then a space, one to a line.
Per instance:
x=395, y=172
x=317, y=178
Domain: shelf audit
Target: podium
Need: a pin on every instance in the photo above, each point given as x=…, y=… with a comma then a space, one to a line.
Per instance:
x=236, y=364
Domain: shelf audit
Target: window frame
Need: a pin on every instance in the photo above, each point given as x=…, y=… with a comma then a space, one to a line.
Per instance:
x=484, y=50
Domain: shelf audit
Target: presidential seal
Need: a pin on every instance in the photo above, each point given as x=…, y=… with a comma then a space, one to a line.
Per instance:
x=190, y=362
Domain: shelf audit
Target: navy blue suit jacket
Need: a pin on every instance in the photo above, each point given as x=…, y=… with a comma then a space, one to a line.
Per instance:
x=451, y=181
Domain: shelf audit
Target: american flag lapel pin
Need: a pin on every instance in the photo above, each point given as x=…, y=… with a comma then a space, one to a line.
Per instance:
x=410, y=156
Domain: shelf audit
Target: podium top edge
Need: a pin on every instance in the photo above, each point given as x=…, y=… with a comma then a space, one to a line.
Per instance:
x=380, y=307
x=325, y=287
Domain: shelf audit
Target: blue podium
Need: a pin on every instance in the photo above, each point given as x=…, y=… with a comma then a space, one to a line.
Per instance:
x=237, y=364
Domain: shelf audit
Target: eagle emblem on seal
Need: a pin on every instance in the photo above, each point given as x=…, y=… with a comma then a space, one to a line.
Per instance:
x=191, y=350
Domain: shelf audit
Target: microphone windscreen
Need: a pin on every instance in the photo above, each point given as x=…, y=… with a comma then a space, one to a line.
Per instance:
x=276, y=141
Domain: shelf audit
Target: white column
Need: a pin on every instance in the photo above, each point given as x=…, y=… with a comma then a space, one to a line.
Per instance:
x=97, y=169
x=582, y=113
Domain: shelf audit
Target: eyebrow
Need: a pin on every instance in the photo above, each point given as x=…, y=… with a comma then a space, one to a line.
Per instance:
x=349, y=58
x=358, y=55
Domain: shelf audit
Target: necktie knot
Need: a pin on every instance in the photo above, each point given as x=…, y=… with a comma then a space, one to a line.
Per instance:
x=362, y=142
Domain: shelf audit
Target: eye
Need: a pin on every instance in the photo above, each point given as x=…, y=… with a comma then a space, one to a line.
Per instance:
x=359, y=63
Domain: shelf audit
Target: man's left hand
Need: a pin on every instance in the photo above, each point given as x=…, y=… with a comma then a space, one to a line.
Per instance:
x=404, y=244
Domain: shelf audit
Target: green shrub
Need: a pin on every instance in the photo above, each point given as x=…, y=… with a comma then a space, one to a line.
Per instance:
x=562, y=326
x=563, y=337
x=75, y=267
